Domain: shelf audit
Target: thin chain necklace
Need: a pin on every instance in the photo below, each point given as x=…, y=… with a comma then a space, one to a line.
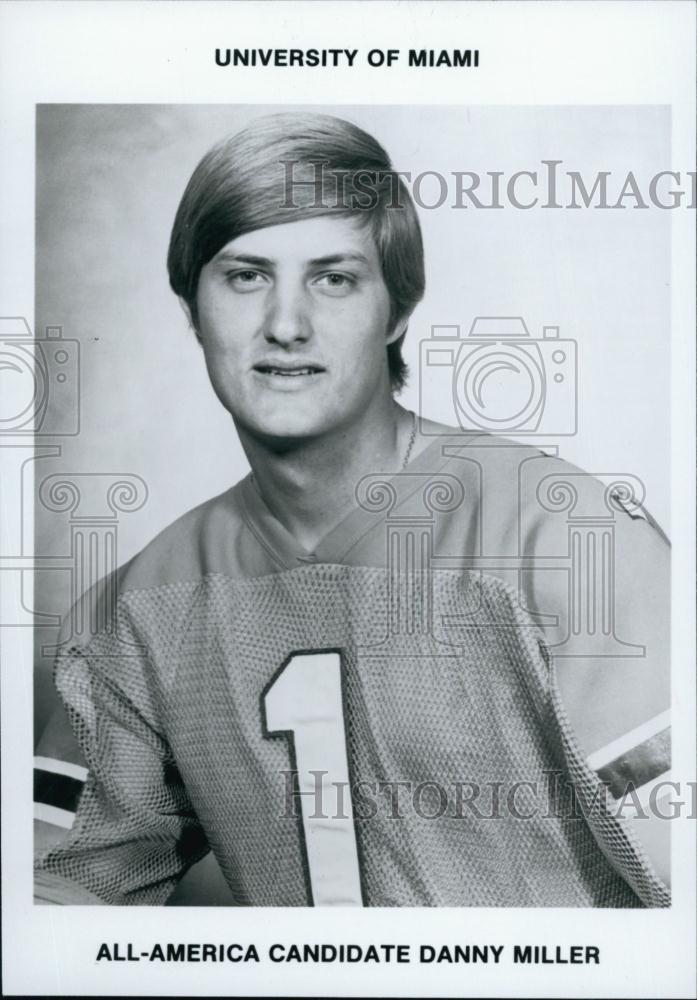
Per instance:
x=407, y=455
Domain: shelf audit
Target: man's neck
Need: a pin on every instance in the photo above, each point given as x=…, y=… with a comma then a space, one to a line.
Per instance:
x=309, y=488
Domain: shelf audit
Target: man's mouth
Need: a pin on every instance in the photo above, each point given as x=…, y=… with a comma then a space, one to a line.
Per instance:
x=288, y=371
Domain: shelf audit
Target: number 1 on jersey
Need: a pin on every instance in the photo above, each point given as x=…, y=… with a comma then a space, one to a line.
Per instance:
x=305, y=701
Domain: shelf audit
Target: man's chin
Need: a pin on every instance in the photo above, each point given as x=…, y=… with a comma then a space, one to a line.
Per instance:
x=285, y=430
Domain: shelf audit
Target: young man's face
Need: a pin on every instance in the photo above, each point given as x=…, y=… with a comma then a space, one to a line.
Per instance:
x=294, y=325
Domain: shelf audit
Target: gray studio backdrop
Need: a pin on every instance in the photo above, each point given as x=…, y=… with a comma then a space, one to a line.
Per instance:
x=109, y=179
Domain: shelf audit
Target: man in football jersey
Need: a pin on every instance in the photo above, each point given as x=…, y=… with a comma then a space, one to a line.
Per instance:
x=383, y=607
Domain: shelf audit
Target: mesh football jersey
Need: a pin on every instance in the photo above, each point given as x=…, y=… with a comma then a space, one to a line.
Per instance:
x=439, y=706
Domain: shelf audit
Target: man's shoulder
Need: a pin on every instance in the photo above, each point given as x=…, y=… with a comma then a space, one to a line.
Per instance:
x=533, y=481
x=200, y=542
x=504, y=474
x=524, y=500
x=492, y=452
x=197, y=543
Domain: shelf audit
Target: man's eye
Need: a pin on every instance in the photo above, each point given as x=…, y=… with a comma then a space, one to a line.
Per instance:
x=245, y=278
x=333, y=281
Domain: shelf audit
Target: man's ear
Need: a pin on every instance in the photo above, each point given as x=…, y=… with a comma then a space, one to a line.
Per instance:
x=187, y=311
x=399, y=328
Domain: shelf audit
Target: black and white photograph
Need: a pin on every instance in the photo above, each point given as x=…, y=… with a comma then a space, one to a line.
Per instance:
x=344, y=537
x=400, y=655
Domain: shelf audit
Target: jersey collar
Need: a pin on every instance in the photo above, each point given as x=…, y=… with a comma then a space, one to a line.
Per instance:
x=359, y=537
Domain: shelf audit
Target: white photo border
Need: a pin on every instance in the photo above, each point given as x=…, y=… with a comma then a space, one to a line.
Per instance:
x=531, y=53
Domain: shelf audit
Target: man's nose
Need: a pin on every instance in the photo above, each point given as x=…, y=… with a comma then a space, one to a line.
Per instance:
x=287, y=317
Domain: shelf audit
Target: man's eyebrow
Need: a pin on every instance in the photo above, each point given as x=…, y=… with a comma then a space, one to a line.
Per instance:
x=227, y=257
x=339, y=258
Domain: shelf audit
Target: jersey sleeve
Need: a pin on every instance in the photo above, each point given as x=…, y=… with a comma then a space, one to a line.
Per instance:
x=59, y=777
x=602, y=595
x=135, y=832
